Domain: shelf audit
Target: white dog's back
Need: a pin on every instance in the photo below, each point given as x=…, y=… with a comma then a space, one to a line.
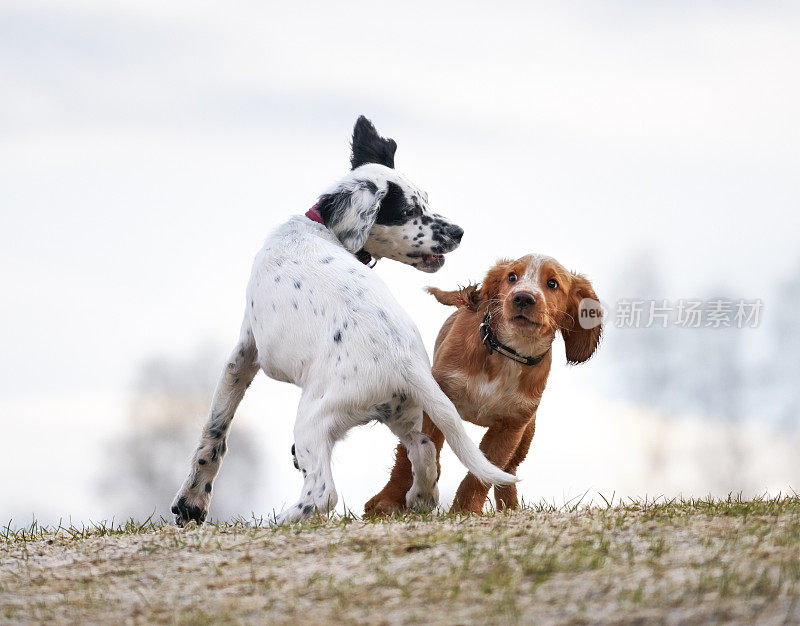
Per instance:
x=322, y=319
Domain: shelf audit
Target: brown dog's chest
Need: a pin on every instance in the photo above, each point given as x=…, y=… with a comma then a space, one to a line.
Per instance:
x=483, y=401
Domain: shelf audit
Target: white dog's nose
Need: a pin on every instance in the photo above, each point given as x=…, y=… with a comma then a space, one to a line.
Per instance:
x=455, y=232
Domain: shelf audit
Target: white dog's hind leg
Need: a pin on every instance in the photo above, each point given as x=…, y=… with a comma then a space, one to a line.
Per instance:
x=314, y=438
x=192, y=500
x=424, y=492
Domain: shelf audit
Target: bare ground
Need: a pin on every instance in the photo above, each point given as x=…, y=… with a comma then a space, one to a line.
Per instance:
x=686, y=562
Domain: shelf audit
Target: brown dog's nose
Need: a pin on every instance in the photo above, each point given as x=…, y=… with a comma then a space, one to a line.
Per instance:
x=523, y=300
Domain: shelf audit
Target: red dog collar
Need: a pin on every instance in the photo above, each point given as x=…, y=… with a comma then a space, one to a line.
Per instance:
x=362, y=255
x=313, y=215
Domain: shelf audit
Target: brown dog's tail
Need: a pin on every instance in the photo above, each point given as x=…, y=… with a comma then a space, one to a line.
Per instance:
x=444, y=414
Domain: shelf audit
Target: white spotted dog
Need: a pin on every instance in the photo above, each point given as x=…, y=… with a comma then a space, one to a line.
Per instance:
x=318, y=317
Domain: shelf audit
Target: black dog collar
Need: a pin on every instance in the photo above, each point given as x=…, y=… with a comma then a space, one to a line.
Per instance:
x=491, y=343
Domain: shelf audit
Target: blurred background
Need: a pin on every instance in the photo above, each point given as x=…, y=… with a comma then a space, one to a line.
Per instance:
x=147, y=148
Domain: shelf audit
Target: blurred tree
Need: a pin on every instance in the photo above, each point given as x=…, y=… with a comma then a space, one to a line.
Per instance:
x=643, y=352
x=148, y=463
x=684, y=370
x=781, y=369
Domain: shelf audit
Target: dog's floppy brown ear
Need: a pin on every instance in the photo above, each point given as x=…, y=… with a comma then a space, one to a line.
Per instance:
x=468, y=297
x=583, y=324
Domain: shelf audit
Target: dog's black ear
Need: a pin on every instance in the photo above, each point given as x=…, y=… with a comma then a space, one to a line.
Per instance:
x=350, y=212
x=369, y=147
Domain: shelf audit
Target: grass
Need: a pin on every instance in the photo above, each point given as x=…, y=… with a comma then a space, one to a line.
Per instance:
x=640, y=560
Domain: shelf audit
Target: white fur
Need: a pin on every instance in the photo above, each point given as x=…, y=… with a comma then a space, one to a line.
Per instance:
x=316, y=317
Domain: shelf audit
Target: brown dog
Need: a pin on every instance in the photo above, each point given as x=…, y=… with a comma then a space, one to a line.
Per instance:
x=492, y=358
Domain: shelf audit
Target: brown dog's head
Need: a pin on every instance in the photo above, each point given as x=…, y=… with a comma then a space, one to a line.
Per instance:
x=532, y=298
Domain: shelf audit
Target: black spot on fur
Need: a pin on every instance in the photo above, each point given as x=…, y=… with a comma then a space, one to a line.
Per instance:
x=208, y=487
x=307, y=509
x=297, y=284
x=393, y=207
x=337, y=336
x=383, y=412
x=201, y=461
x=369, y=147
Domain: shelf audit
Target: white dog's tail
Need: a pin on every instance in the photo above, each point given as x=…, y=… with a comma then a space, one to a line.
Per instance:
x=444, y=414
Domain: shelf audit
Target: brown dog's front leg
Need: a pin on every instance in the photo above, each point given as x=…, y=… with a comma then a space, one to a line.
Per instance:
x=498, y=444
x=505, y=496
x=393, y=496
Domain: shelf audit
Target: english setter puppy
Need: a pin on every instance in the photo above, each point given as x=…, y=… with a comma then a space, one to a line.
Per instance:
x=317, y=316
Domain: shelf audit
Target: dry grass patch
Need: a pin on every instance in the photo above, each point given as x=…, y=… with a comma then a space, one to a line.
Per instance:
x=687, y=561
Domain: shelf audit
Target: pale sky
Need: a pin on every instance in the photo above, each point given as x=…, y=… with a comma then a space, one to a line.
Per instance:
x=147, y=148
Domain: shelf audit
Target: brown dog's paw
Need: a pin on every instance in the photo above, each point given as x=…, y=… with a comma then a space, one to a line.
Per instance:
x=465, y=506
x=506, y=497
x=380, y=506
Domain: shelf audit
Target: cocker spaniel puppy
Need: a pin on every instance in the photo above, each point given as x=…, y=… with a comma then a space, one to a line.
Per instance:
x=492, y=359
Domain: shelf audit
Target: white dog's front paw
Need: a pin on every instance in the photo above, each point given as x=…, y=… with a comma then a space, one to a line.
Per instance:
x=422, y=502
x=189, y=507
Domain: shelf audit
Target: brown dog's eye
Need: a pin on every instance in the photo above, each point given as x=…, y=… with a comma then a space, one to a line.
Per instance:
x=552, y=284
x=512, y=277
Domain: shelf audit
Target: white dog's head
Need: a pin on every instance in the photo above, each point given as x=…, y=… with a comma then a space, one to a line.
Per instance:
x=376, y=209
